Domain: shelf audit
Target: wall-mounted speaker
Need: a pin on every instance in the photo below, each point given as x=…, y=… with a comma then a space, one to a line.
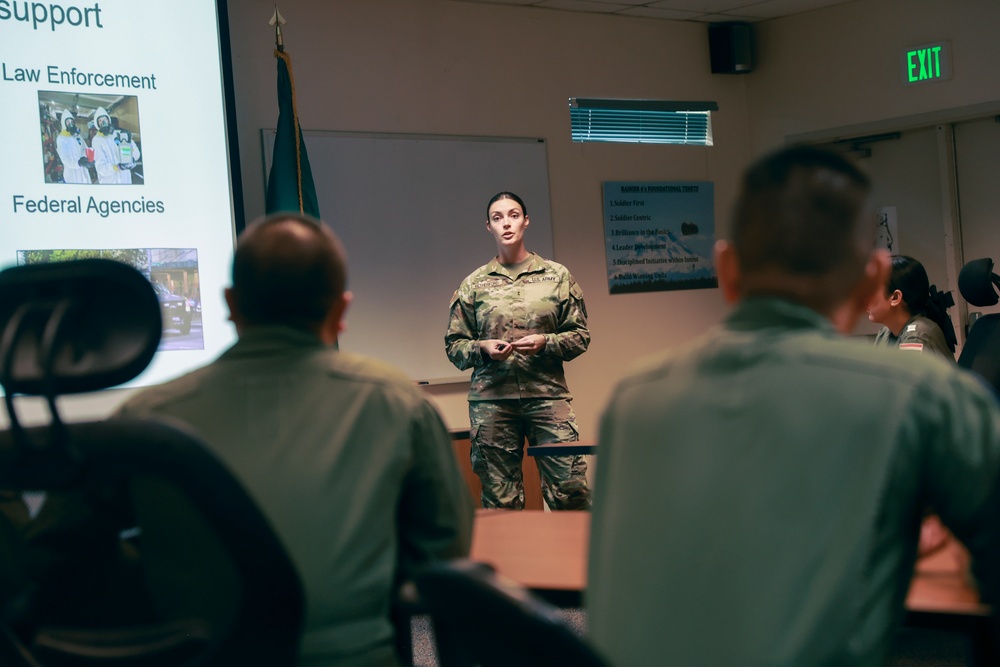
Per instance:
x=730, y=45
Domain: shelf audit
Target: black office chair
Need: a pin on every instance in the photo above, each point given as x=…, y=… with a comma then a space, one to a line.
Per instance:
x=981, y=352
x=83, y=326
x=480, y=618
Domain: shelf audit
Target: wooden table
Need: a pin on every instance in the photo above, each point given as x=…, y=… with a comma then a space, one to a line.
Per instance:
x=544, y=551
x=547, y=552
x=942, y=597
x=942, y=584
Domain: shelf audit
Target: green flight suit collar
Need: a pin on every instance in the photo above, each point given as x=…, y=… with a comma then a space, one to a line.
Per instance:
x=765, y=312
x=270, y=339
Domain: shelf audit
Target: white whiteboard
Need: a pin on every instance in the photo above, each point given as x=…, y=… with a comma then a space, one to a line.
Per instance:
x=411, y=211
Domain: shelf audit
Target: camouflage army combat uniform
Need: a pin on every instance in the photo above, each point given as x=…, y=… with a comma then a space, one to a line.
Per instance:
x=524, y=395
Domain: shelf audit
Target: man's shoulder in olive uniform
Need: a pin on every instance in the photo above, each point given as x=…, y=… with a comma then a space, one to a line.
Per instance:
x=841, y=441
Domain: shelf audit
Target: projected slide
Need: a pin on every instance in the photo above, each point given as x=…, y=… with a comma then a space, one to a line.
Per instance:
x=115, y=145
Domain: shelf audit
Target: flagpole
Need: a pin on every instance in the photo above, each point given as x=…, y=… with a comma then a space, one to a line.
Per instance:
x=277, y=20
x=289, y=188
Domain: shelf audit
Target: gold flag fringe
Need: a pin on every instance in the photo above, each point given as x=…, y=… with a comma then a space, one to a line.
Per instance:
x=295, y=116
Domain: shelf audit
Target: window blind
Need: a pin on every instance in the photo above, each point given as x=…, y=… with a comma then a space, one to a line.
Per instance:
x=641, y=121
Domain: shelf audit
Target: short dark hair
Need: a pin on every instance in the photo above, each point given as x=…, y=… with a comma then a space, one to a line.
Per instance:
x=804, y=213
x=505, y=195
x=288, y=269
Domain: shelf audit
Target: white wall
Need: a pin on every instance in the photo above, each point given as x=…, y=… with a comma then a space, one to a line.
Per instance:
x=836, y=73
x=840, y=66
x=977, y=145
x=443, y=67
x=436, y=66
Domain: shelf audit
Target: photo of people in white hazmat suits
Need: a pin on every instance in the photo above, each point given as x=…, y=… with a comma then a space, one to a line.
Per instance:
x=90, y=138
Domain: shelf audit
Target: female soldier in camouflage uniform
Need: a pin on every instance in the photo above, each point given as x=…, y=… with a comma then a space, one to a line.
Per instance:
x=913, y=312
x=515, y=321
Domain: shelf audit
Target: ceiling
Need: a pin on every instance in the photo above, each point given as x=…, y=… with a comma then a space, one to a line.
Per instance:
x=706, y=11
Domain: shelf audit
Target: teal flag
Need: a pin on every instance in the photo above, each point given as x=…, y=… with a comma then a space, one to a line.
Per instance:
x=290, y=184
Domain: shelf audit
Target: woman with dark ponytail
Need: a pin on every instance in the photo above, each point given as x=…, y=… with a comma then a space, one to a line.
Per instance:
x=913, y=315
x=913, y=312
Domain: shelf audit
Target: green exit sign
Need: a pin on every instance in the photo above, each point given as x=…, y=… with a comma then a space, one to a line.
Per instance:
x=926, y=63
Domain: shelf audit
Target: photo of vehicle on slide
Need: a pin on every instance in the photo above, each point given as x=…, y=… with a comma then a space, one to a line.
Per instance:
x=175, y=278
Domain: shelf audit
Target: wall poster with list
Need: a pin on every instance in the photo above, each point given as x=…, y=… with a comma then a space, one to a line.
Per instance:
x=659, y=236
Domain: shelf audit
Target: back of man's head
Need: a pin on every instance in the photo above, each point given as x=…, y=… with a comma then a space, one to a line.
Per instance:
x=288, y=270
x=803, y=227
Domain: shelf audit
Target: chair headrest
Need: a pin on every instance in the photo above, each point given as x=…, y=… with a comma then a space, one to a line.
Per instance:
x=976, y=283
x=75, y=326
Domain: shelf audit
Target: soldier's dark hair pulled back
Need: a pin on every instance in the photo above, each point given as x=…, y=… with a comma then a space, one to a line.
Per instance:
x=505, y=195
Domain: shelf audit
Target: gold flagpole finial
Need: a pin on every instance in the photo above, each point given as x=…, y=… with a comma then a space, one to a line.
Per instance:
x=277, y=20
